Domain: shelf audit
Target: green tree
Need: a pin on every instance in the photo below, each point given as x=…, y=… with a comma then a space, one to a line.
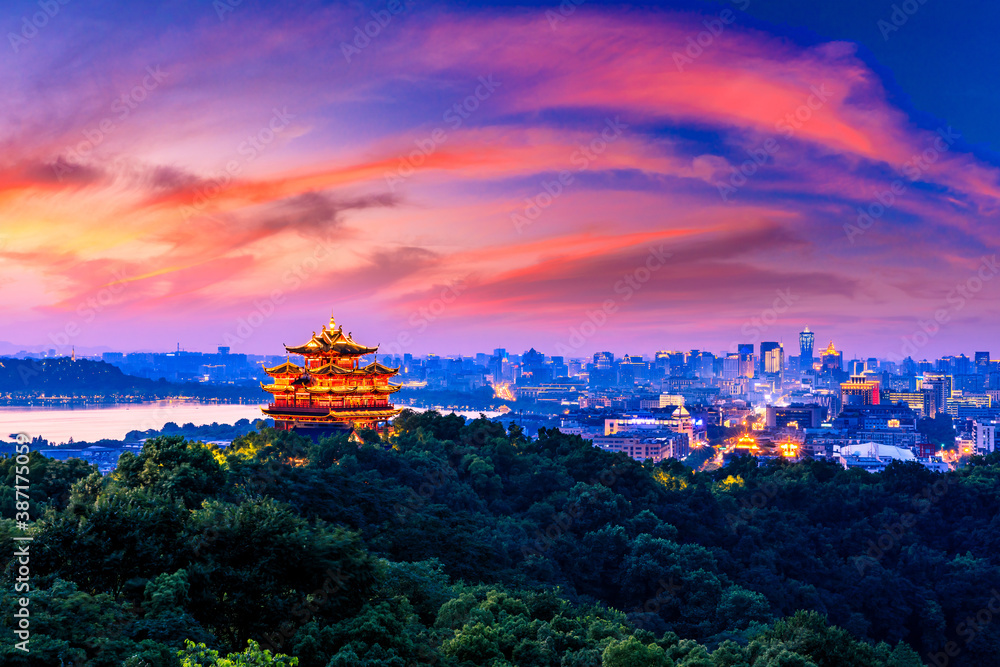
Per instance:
x=199, y=655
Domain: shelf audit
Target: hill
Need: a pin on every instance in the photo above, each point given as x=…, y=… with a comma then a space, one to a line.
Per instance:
x=30, y=380
x=459, y=543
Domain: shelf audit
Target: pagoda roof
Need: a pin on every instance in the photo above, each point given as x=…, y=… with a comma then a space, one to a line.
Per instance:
x=375, y=368
x=332, y=369
x=335, y=390
x=331, y=340
x=287, y=368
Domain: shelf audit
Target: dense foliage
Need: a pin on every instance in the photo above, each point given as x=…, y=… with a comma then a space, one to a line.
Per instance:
x=460, y=543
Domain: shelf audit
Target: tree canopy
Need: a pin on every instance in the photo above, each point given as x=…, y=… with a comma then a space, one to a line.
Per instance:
x=460, y=542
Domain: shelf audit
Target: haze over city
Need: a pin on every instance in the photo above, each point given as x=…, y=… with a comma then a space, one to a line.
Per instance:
x=476, y=175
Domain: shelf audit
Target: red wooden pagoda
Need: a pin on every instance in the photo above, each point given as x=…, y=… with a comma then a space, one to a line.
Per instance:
x=331, y=391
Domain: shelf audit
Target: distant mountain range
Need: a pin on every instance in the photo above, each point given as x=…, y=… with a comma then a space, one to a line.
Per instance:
x=24, y=380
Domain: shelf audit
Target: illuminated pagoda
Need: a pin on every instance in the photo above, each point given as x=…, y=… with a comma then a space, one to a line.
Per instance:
x=331, y=391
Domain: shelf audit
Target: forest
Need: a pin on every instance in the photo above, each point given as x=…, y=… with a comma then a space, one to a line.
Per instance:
x=453, y=542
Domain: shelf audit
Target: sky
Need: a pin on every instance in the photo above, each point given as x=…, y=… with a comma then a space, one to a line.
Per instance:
x=453, y=178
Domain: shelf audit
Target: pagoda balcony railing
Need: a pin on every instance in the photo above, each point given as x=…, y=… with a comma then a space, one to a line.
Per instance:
x=305, y=411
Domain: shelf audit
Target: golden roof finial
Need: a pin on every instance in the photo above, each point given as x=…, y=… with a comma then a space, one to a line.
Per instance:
x=333, y=322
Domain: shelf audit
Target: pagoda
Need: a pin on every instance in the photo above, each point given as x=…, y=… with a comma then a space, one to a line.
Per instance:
x=331, y=391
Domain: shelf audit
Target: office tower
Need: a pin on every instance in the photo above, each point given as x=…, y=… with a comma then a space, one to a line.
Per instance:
x=706, y=365
x=832, y=360
x=603, y=373
x=982, y=360
x=731, y=366
x=937, y=390
x=806, y=340
x=772, y=358
x=604, y=360
x=962, y=365
x=745, y=353
x=632, y=369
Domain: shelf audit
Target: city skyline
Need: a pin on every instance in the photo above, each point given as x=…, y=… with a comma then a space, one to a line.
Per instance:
x=224, y=174
x=789, y=350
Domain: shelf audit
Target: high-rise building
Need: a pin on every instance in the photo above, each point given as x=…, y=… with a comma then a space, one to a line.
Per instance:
x=806, y=340
x=731, y=366
x=746, y=367
x=985, y=434
x=772, y=358
x=962, y=365
x=706, y=363
x=631, y=369
x=982, y=363
x=937, y=389
x=831, y=360
x=604, y=360
x=860, y=390
x=603, y=372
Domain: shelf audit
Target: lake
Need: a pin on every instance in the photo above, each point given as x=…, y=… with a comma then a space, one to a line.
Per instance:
x=88, y=423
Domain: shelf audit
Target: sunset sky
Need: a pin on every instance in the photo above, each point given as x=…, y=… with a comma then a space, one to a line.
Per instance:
x=494, y=175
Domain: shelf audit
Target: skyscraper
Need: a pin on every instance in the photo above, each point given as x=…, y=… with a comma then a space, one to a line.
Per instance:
x=745, y=351
x=772, y=358
x=937, y=389
x=806, y=340
x=982, y=363
x=832, y=360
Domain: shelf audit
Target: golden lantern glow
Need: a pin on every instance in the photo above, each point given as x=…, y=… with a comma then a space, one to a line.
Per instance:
x=789, y=449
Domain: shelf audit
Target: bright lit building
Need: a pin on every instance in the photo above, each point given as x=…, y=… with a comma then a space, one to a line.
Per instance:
x=860, y=390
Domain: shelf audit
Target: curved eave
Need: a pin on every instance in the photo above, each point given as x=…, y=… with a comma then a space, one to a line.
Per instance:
x=331, y=369
x=277, y=388
x=340, y=349
x=287, y=368
x=340, y=391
